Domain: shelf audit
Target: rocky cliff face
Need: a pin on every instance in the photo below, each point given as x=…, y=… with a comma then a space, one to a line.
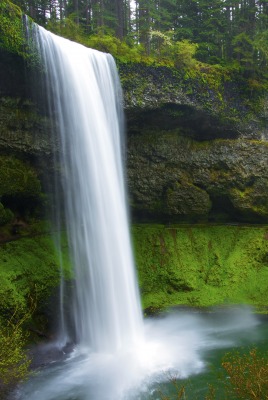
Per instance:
x=195, y=151
x=25, y=145
x=172, y=178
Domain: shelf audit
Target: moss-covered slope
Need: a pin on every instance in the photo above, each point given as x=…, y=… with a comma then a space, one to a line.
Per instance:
x=177, y=265
x=30, y=274
x=201, y=265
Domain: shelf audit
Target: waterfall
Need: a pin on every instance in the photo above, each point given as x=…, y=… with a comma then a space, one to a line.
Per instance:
x=85, y=95
x=114, y=358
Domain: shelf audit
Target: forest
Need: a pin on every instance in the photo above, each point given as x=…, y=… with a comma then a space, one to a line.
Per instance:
x=230, y=33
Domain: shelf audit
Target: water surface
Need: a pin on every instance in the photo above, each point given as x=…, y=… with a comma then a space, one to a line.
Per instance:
x=187, y=345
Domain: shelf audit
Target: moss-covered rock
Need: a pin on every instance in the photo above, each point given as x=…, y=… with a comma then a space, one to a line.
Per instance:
x=23, y=129
x=199, y=100
x=187, y=199
x=173, y=178
x=252, y=199
x=196, y=149
x=11, y=29
x=201, y=265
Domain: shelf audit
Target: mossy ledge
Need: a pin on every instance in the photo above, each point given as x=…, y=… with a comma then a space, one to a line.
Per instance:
x=201, y=265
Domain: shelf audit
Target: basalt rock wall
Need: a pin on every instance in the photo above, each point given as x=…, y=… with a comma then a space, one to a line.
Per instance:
x=195, y=153
x=173, y=179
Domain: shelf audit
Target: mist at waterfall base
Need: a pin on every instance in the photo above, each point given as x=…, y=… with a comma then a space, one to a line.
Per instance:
x=181, y=344
x=118, y=355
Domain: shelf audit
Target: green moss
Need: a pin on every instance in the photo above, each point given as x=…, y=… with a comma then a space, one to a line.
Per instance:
x=241, y=193
x=11, y=32
x=30, y=269
x=252, y=198
x=201, y=265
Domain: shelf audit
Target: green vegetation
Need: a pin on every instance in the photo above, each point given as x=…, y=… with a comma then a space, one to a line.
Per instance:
x=29, y=275
x=183, y=36
x=219, y=32
x=191, y=265
x=14, y=362
x=201, y=265
x=188, y=265
x=11, y=32
x=188, y=35
x=30, y=269
x=208, y=45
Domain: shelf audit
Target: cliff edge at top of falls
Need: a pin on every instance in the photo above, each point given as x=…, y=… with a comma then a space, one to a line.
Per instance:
x=205, y=104
x=197, y=147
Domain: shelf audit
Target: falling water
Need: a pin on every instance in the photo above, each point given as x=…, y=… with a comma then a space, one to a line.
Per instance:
x=118, y=357
x=87, y=100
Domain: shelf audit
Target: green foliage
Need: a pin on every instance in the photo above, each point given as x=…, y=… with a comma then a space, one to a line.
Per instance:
x=67, y=28
x=211, y=32
x=14, y=362
x=11, y=32
x=183, y=54
x=201, y=265
x=244, y=51
x=13, y=35
x=30, y=272
x=106, y=43
x=119, y=49
x=261, y=44
x=203, y=33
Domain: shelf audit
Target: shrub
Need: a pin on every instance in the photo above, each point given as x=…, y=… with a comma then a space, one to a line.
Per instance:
x=248, y=375
x=14, y=362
